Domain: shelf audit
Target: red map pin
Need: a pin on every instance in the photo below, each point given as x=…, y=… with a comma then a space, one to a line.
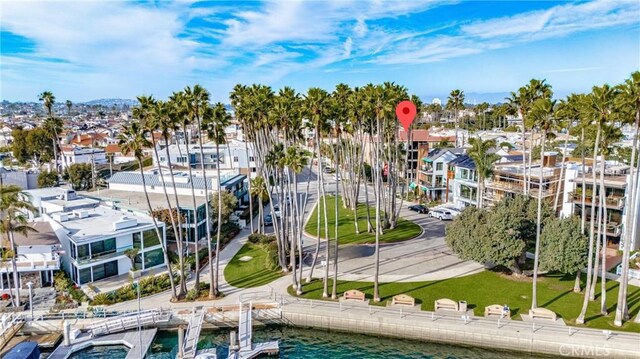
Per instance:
x=406, y=112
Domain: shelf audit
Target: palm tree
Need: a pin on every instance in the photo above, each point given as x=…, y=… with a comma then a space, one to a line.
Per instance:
x=543, y=116
x=239, y=97
x=630, y=101
x=14, y=204
x=51, y=124
x=166, y=120
x=533, y=91
x=484, y=161
x=260, y=191
x=455, y=103
x=69, y=104
x=132, y=140
x=215, y=121
x=296, y=159
x=316, y=108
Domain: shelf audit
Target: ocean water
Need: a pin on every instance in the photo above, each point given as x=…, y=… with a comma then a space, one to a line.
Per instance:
x=316, y=344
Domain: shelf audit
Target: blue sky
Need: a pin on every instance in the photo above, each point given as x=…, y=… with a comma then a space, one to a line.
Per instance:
x=83, y=50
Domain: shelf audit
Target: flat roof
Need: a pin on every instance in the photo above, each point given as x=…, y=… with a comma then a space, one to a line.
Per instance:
x=99, y=223
x=619, y=181
x=47, y=192
x=138, y=201
x=44, y=235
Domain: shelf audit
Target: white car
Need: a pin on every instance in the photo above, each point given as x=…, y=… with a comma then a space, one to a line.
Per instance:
x=441, y=214
x=454, y=211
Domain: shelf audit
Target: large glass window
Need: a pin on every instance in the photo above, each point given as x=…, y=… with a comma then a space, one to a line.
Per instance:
x=150, y=238
x=85, y=275
x=105, y=270
x=73, y=250
x=439, y=166
x=102, y=248
x=137, y=240
x=83, y=251
x=153, y=258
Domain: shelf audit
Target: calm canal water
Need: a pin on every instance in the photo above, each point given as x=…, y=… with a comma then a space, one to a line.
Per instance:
x=312, y=344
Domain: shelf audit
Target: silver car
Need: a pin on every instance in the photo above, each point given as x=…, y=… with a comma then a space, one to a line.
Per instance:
x=441, y=214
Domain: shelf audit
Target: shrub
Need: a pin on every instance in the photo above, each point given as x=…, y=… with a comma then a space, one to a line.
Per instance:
x=101, y=299
x=258, y=238
x=271, y=259
x=192, y=294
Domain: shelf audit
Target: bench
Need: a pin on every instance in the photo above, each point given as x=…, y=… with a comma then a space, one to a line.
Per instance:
x=542, y=313
x=354, y=294
x=497, y=310
x=403, y=299
x=447, y=304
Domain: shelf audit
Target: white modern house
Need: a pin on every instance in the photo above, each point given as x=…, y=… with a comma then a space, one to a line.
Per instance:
x=465, y=181
x=57, y=199
x=74, y=154
x=37, y=257
x=234, y=158
x=94, y=241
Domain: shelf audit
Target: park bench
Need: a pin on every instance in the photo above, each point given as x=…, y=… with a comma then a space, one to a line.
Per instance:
x=497, y=310
x=403, y=299
x=354, y=294
x=542, y=313
x=446, y=304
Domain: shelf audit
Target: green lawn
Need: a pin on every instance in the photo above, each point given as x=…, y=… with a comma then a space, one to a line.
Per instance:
x=251, y=273
x=347, y=228
x=555, y=292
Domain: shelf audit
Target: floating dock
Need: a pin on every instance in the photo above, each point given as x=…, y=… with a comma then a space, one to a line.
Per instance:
x=137, y=342
x=246, y=348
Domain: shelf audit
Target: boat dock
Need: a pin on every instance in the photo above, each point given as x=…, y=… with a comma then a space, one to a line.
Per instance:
x=137, y=342
x=193, y=333
x=246, y=348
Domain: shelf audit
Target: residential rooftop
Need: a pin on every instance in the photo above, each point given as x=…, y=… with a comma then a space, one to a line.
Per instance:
x=44, y=235
x=137, y=201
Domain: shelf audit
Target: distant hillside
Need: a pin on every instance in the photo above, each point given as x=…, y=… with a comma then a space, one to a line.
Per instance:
x=112, y=102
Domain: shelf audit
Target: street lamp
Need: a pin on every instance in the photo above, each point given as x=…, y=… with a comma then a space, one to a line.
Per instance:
x=30, y=286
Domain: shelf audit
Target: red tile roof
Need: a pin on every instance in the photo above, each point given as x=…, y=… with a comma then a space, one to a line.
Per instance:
x=423, y=136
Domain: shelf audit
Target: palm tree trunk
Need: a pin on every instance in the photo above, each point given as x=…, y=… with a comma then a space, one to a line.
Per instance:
x=621, y=307
x=157, y=229
x=16, y=280
x=183, y=282
x=334, y=289
x=376, y=289
x=176, y=230
x=560, y=184
x=196, y=284
x=603, y=209
x=534, y=299
x=319, y=174
x=592, y=290
x=246, y=148
x=525, y=183
x=213, y=288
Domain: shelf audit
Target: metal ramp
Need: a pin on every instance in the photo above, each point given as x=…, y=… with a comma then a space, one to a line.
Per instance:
x=129, y=321
x=245, y=327
x=246, y=348
x=193, y=333
x=11, y=324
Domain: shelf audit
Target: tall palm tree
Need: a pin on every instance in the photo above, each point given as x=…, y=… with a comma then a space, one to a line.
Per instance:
x=543, y=116
x=69, y=104
x=534, y=90
x=214, y=122
x=455, y=103
x=239, y=97
x=316, y=108
x=132, y=140
x=484, y=161
x=259, y=190
x=629, y=103
x=296, y=159
x=14, y=204
x=51, y=124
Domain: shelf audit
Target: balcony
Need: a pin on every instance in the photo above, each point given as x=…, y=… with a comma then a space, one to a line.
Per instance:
x=102, y=256
x=615, y=202
x=613, y=229
x=28, y=265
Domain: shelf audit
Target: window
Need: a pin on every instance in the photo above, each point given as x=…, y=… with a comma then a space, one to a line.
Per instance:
x=253, y=169
x=150, y=238
x=137, y=240
x=439, y=166
x=83, y=252
x=162, y=159
x=153, y=258
x=251, y=159
x=235, y=158
x=105, y=270
x=102, y=248
x=73, y=250
x=85, y=275
x=181, y=159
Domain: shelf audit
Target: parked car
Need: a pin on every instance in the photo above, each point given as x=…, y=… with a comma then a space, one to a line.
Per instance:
x=419, y=208
x=441, y=214
x=454, y=211
x=328, y=170
x=268, y=220
x=276, y=210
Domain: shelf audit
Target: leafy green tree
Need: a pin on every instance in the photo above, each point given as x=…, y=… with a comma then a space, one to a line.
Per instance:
x=563, y=246
x=19, y=145
x=47, y=179
x=80, y=175
x=462, y=234
x=229, y=204
x=484, y=161
x=39, y=145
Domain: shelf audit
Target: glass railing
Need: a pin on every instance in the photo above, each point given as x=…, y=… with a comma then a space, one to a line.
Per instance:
x=104, y=255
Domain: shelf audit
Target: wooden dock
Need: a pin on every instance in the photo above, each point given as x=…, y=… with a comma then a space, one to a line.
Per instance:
x=138, y=343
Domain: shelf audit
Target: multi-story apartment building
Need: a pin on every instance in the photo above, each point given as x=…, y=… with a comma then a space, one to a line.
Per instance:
x=434, y=175
x=421, y=141
x=37, y=257
x=234, y=158
x=74, y=154
x=508, y=179
x=94, y=241
x=464, y=182
x=616, y=179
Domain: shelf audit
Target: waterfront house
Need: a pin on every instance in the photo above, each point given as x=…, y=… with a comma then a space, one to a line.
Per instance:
x=465, y=181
